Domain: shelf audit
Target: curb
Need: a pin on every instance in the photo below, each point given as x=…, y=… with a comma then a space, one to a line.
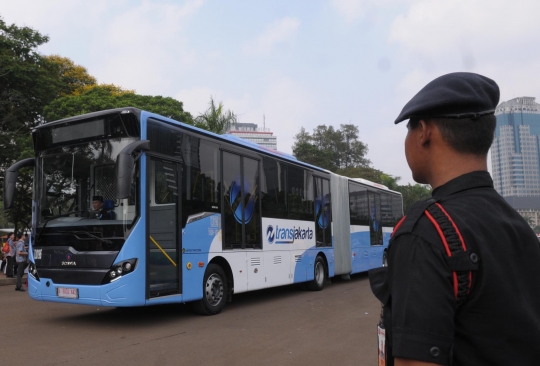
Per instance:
x=4, y=281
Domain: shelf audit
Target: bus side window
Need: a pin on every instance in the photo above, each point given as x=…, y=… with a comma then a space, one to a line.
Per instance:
x=299, y=193
x=273, y=198
x=200, y=177
x=358, y=204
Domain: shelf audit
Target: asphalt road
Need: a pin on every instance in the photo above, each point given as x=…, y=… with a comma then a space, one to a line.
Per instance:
x=280, y=326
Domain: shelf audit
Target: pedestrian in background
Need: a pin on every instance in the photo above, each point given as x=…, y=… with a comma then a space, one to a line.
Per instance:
x=3, y=255
x=21, y=257
x=10, y=255
x=461, y=286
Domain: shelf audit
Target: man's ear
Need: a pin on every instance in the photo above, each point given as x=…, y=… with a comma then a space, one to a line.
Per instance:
x=426, y=132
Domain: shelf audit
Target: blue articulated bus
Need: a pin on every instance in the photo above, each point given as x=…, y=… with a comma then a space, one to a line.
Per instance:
x=187, y=215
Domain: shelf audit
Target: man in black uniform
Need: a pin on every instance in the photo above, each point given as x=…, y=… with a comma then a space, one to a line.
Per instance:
x=99, y=212
x=496, y=321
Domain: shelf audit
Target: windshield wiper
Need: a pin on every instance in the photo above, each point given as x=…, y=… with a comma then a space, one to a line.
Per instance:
x=54, y=218
x=107, y=241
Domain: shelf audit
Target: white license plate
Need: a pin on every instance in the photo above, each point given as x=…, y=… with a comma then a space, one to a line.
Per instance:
x=67, y=293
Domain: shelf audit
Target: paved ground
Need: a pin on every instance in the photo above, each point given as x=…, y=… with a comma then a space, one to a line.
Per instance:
x=281, y=326
x=4, y=281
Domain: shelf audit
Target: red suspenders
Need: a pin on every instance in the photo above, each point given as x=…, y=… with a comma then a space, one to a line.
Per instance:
x=454, y=246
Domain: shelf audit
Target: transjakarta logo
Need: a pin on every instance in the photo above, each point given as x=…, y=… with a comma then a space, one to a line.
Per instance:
x=287, y=235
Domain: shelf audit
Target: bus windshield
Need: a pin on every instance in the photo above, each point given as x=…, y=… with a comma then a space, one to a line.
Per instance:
x=75, y=196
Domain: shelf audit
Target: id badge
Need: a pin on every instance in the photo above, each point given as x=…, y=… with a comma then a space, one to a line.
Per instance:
x=381, y=337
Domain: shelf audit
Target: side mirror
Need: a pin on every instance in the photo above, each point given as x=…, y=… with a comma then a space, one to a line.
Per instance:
x=10, y=180
x=125, y=166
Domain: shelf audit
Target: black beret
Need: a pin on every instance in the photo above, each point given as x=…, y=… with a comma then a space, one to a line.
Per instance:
x=97, y=198
x=455, y=95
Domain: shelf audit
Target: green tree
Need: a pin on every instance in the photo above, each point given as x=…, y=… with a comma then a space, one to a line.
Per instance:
x=368, y=173
x=100, y=97
x=302, y=137
x=216, y=119
x=28, y=82
x=390, y=181
x=3, y=219
x=328, y=141
x=412, y=193
x=74, y=78
x=353, y=152
x=330, y=148
x=311, y=155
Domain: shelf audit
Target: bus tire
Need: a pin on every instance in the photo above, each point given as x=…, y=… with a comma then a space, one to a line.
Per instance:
x=319, y=275
x=214, y=292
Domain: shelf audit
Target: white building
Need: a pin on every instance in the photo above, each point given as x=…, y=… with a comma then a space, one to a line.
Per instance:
x=253, y=133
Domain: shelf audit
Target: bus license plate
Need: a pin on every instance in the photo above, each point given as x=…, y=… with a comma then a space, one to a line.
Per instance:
x=67, y=293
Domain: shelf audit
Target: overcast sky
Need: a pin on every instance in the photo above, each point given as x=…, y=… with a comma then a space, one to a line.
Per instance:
x=298, y=63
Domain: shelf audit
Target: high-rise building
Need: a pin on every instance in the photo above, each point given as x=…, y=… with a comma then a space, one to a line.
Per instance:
x=515, y=156
x=251, y=132
x=515, y=153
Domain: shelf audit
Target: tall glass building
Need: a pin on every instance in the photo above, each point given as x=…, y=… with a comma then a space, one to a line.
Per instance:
x=515, y=153
x=515, y=156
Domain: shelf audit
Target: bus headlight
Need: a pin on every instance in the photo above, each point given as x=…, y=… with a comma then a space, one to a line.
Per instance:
x=32, y=271
x=120, y=269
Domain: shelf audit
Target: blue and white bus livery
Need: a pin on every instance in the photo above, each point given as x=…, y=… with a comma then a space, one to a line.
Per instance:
x=194, y=216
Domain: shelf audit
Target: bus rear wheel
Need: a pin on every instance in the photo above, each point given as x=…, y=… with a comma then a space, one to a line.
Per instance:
x=214, y=292
x=319, y=272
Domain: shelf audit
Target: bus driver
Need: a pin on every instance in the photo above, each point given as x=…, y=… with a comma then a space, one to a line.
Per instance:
x=99, y=212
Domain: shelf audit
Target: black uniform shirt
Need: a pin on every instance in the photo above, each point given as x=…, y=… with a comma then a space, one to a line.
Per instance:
x=499, y=324
x=101, y=214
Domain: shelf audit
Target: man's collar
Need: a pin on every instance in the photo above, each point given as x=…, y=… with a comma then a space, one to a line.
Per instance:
x=475, y=179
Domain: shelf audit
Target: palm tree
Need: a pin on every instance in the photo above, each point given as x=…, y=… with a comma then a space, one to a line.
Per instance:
x=216, y=119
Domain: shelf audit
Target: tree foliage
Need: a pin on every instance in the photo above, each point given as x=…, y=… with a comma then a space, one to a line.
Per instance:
x=73, y=78
x=330, y=148
x=364, y=172
x=412, y=193
x=28, y=82
x=100, y=97
x=216, y=119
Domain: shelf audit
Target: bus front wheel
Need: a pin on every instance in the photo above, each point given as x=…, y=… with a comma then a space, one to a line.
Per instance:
x=214, y=291
x=319, y=271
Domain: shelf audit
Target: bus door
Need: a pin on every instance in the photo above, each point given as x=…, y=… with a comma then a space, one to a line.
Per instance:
x=375, y=229
x=164, y=261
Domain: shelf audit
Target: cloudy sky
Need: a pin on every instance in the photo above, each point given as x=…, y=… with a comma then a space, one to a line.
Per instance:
x=298, y=63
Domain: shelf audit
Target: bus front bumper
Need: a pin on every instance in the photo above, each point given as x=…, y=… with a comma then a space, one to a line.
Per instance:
x=124, y=292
